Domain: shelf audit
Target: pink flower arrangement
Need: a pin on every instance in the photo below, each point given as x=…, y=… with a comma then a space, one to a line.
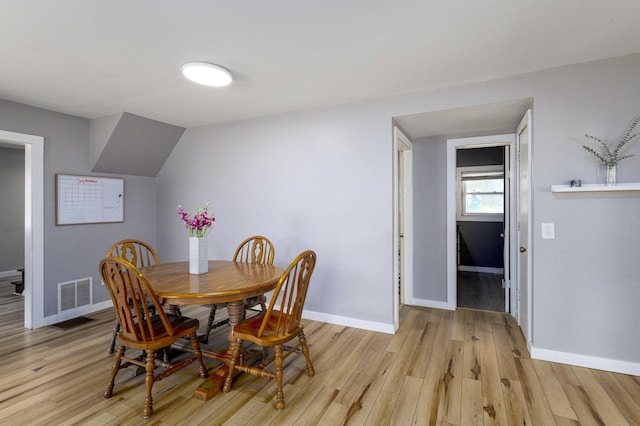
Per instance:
x=200, y=224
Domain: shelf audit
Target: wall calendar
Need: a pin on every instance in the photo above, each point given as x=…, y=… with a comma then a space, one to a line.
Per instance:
x=88, y=199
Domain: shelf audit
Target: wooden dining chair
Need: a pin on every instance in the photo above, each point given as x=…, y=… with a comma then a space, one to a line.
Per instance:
x=277, y=326
x=140, y=254
x=143, y=330
x=256, y=249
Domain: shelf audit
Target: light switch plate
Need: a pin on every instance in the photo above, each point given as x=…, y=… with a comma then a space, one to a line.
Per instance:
x=548, y=231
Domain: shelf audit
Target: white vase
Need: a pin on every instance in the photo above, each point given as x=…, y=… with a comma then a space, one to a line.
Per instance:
x=198, y=255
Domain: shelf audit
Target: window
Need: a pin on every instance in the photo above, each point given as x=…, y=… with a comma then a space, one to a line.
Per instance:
x=481, y=194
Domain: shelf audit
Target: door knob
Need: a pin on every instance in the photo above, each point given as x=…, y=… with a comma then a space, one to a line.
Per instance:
x=523, y=249
x=502, y=235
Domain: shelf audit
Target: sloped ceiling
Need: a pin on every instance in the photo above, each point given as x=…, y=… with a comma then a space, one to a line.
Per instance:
x=131, y=145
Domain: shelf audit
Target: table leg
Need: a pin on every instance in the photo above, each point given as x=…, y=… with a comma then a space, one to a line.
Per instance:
x=236, y=315
x=216, y=380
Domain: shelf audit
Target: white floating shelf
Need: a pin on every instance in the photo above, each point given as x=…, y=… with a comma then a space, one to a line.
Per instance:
x=596, y=188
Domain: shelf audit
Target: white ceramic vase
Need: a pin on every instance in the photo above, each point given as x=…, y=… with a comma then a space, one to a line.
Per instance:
x=198, y=255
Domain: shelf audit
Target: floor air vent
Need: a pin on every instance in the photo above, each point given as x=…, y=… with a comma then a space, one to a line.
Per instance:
x=73, y=294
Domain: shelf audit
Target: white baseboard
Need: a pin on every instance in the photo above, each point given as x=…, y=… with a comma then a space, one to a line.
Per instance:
x=436, y=304
x=606, y=364
x=349, y=322
x=73, y=313
x=9, y=274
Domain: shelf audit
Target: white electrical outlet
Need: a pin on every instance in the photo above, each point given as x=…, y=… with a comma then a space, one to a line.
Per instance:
x=548, y=231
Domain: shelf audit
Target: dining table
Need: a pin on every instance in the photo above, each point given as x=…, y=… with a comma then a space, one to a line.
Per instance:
x=225, y=282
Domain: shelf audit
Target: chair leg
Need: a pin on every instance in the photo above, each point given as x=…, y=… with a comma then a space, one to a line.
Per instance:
x=305, y=350
x=279, y=374
x=114, y=371
x=212, y=314
x=150, y=366
x=116, y=330
x=195, y=343
x=235, y=355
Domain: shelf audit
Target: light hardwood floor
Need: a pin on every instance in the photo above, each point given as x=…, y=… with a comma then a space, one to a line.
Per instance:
x=446, y=368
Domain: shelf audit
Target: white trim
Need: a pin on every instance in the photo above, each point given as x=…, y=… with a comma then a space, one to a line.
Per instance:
x=349, y=322
x=79, y=311
x=34, y=225
x=526, y=122
x=436, y=304
x=606, y=364
x=402, y=149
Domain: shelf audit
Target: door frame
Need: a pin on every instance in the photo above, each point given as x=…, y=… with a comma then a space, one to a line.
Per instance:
x=33, y=226
x=525, y=123
x=475, y=142
x=402, y=163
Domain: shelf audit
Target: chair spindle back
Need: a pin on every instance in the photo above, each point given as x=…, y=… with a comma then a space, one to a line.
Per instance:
x=136, y=252
x=289, y=295
x=256, y=249
x=131, y=294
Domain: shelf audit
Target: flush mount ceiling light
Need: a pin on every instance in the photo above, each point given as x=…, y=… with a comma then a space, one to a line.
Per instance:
x=207, y=74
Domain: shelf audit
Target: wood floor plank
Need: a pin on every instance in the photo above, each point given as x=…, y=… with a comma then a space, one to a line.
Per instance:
x=382, y=409
x=471, y=411
x=583, y=406
x=558, y=401
x=492, y=394
x=471, y=358
x=602, y=402
x=505, y=356
x=360, y=405
x=430, y=394
x=631, y=384
x=537, y=402
x=628, y=407
x=364, y=373
x=450, y=401
x=516, y=406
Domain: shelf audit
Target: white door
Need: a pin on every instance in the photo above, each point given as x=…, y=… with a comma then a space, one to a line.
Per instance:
x=522, y=297
x=506, y=233
x=403, y=223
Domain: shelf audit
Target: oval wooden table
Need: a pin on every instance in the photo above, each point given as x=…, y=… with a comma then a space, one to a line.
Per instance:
x=225, y=282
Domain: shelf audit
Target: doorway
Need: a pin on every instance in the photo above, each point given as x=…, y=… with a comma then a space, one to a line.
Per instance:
x=482, y=195
x=502, y=234
x=402, y=222
x=34, y=225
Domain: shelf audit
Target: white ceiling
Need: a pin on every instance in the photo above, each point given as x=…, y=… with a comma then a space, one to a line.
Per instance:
x=97, y=58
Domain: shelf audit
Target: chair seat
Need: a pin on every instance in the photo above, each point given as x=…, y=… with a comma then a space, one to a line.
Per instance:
x=182, y=326
x=249, y=330
x=276, y=327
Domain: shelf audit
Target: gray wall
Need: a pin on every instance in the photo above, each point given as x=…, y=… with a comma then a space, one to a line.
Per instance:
x=11, y=209
x=72, y=252
x=322, y=179
x=430, y=219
